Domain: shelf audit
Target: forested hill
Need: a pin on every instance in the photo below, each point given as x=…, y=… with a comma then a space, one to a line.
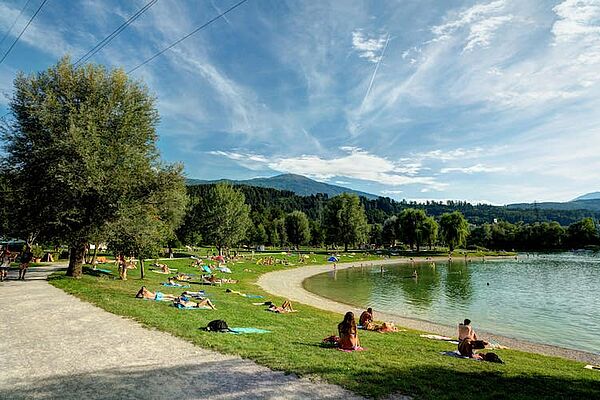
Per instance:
x=577, y=204
x=273, y=201
x=297, y=184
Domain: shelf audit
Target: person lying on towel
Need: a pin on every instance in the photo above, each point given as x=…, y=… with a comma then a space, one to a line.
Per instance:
x=184, y=302
x=144, y=293
x=286, y=307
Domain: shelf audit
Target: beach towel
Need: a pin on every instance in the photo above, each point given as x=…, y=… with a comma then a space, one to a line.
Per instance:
x=592, y=367
x=439, y=337
x=106, y=271
x=454, y=354
x=157, y=271
x=253, y=296
x=224, y=269
x=207, y=269
x=179, y=285
x=182, y=307
x=239, y=331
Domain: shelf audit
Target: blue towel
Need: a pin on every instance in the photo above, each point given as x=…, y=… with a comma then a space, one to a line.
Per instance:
x=182, y=307
x=239, y=331
x=106, y=271
x=253, y=296
x=207, y=269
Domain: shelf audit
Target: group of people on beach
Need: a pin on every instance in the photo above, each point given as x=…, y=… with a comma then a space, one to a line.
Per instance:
x=348, y=339
x=7, y=257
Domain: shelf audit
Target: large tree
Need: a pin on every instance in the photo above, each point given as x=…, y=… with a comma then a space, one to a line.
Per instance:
x=454, y=229
x=582, y=233
x=222, y=217
x=429, y=231
x=297, y=228
x=80, y=146
x=410, y=223
x=144, y=228
x=345, y=220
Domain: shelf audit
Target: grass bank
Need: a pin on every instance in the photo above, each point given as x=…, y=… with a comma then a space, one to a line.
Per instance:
x=394, y=363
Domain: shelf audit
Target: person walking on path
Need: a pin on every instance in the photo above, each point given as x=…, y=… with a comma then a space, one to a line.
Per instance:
x=26, y=258
x=5, y=259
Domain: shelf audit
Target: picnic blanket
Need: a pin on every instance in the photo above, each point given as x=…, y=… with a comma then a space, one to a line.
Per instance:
x=239, y=331
x=158, y=271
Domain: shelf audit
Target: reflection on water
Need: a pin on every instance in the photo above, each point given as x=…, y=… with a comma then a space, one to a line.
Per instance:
x=549, y=298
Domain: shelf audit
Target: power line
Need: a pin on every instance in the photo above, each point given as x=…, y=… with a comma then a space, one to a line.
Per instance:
x=23, y=31
x=187, y=36
x=114, y=33
x=14, y=22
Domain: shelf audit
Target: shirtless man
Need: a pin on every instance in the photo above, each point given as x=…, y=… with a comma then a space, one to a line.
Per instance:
x=468, y=341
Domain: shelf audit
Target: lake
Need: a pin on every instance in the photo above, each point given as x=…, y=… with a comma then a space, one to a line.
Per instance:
x=544, y=298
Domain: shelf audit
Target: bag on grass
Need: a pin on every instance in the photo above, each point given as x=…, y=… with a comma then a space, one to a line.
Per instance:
x=217, y=325
x=492, y=357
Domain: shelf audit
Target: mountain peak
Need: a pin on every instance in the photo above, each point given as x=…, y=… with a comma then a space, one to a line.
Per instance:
x=298, y=184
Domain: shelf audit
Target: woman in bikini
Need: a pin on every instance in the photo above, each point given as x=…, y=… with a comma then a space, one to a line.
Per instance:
x=204, y=303
x=286, y=307
x=348, y=333
x=144, y=293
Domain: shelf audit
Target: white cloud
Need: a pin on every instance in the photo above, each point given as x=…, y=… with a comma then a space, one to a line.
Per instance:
x=356, y=164
x=477, y=168
x=369, y=47
x=454, y=154
x=481, y=21
x=392, y=192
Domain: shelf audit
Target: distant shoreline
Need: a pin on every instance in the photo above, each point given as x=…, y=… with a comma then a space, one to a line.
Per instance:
x=289, y=283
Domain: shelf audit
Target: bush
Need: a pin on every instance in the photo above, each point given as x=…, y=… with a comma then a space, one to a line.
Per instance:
x=38, y=251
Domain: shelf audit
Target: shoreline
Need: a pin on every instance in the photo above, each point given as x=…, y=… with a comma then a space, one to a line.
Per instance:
x=289, y=284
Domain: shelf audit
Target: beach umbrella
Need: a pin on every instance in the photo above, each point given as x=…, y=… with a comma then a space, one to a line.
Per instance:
x=332, y=259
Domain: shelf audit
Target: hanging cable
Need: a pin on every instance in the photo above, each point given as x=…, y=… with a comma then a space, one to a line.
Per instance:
x=23, y=31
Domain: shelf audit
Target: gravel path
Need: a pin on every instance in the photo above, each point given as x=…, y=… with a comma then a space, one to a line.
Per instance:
x=54, y=346
x=288, y=283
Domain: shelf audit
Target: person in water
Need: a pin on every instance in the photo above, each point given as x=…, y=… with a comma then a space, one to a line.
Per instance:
x=366, y=317
x=468, y=341
x=347, y=332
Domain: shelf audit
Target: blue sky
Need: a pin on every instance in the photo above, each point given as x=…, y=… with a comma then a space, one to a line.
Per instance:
x=494, y=101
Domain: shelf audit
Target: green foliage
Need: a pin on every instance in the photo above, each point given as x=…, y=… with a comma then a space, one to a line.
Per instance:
x=429, y=231
x=297, y=228
x=583, y=233
x=376, y=234
x=82, y=145
x=345, y=221
x=454, y=229
x=222, y=217
x=389, y=233
x=410, y=224
x=143, y=228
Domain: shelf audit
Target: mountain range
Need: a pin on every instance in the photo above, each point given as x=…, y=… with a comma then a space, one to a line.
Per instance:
x=298, y=184
x=304, y=186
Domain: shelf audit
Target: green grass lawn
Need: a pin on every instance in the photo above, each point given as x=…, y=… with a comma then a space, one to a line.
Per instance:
x=394, y=363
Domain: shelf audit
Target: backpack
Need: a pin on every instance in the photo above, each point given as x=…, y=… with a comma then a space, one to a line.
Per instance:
x=492, y=357
x=218, y=325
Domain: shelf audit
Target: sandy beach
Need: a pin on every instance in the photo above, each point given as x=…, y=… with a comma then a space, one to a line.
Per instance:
x=288, y=283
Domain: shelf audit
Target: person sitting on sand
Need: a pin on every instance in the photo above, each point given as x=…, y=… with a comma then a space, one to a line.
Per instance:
x=366, y=317
x=204, y=303
x=286, y=307
x=144, y=293
x=347, y=332
x=468, y=341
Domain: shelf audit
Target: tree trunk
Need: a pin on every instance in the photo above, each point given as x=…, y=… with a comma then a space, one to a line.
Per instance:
x=142, y=267
x=345, y=247
x=76, y=255
x=170, y=252
x=95, y=253
x=220, y=249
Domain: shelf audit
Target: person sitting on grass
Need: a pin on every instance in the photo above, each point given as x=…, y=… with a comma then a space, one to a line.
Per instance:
x=286, y=307
x=347, y=332
x=386, y=327
x=183, y=301
x=366, y=317
x=468, y=341
x=144, y=293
